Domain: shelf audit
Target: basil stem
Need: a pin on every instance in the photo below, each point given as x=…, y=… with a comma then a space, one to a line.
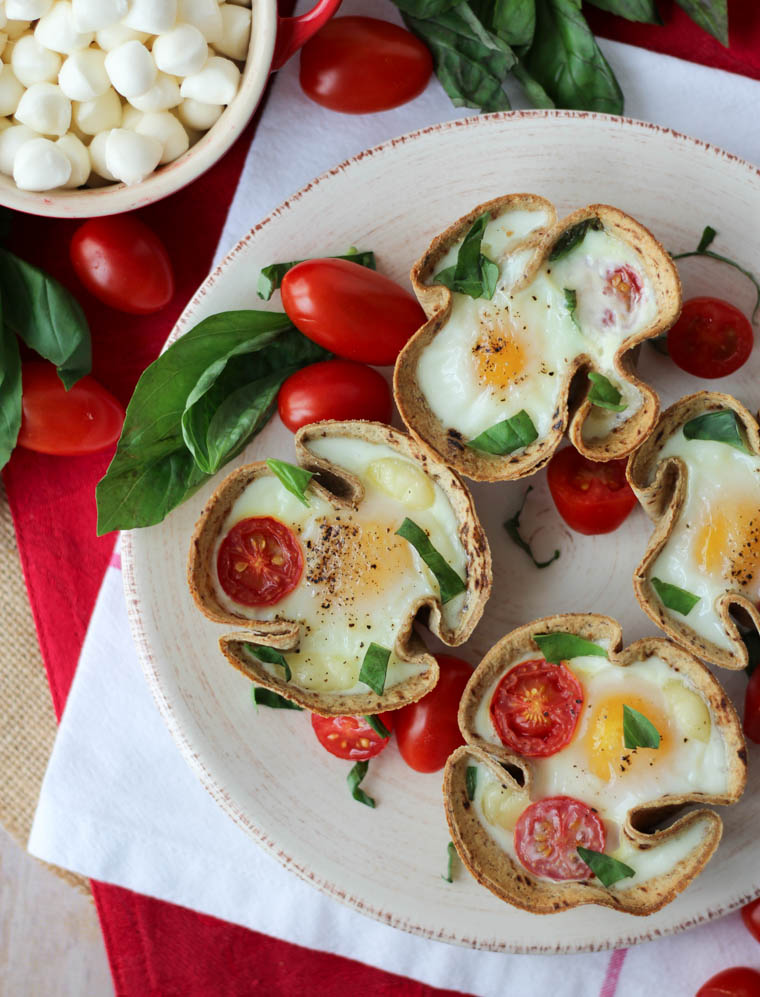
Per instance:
x=354, y=778
x=265, y=697
x=374, y=668
x=270, y=277
x=638, y=730
x=294, y=479
x=606, y=869
x=604, y=393
x=473, y=273
x=471, y=781
x=708, y=235
x=271, y=656
x=557, y=647
x=675, y=598
x=449, y=582
x=451, y=855
x=722, y=426
x=505, y=437
x=512, y=526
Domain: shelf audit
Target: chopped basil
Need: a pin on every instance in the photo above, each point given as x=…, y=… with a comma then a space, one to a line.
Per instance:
x=606, y=869
x=293, y=478
x=573, y=237
x=702, y=249
x=638, y=730
x=374, y=668
x=378, y=726
x=353, y=779
x=265, y=697
x=473, y=273
x=721, y=427
x=270, y=277
x=471, y=781
x=512, y=526
x=507, y=436
x=675, y=598
x=604, y=393
x=571, y=300
x=451, y=858
x=449, y=582
x=271, y=656
x=559, y=647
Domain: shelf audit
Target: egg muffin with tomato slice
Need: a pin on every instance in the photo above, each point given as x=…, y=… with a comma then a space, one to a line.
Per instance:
x=533, y=322
x=579, y=759
x=326, y=565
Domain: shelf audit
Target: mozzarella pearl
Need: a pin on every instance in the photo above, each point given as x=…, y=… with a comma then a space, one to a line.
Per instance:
x=11, y=140
x=162, y=125
x=57, y=32
x=216, y=83
x=199, y=116
x=40, y=165
x=162, y=95
x=204, y=14
x=153, y=16
x=45, y=108
x=93, y=15
x=117, y=34
x=131, y=69
x=26, y=10
x=83, y=75
x=97, y=151
x=99, y=114
x=181, y=51
x=130, y=157
x=11, y=90
x=79, y=158
x=131, y=117
x=33, y=63
x=236, y=31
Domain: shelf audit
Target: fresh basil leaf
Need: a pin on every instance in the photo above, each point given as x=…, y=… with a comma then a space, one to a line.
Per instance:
x=425, y=9
x=573, y=237
x=533, y=90
x=604, y=393
x=571, y=301
x=10, y=393
x=675, y=598
x=606, y=869
x=451, y=855
x=449, y=582
x=471, y=781
x=712, y=15
x=512, y=526
x=270, y=277
x=708, y=235
x=558, y=647
x=294, y=479
x=643, y=11
x=514, y=21
x=638, y=730
x=378, y=726
x=722, y=426
x=46, y=316
x=271, y=656
x=354, y=777
x=473, y=273
x=265, y=697
x=374, y=667
x=507, y=436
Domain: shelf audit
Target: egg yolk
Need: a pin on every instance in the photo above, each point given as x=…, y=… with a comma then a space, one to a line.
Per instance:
x=608, y=757
x=499, y=356
x=727, y=542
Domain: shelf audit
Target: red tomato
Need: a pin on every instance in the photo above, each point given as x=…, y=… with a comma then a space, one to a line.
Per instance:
x=427, y=731
x=625, y=283
x=82, y=420
x=536, y=707
x=351, y=737
x=739, y=981
x=359, y=65
x=547, y=834
x=710, y=339
x=752, y=707
x=123, y=263
x=592, y=497
x=751, y=918
x=352, y=311
x=334, y=389
x=259, y=561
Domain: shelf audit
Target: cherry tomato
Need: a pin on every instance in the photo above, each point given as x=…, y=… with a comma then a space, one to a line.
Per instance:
x=427, y=731
x=259, y=561
x=626, y=284
x=592, y=497
x=751, y=918
x=123, y=263
x=710, y=339
x=739, y=981
x=547, y=834
x=82, y=420
x=351, y=737
x=334, y=389
x=536, y=707
x=352, y=311
x=752, y=707
x=359, y=65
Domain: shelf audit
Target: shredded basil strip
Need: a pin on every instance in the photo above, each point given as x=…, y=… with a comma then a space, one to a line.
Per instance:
x=374, y=668
x=378, y=726
x=270, y=656
x=675, y=598
x=473, y=273
x=353, y=779
x=471, y=781
x=270, y=277
x=265, y=697
x=573, y=237
x=293, y=478
x=449, y=582
x=507, y=436
x=708, y=235
x=638, y=730
x=571, y=300
x=451, y=858
x=604, y=393
x=559, y=647
x=606, y=869
x=722, y=426
x=512, y=526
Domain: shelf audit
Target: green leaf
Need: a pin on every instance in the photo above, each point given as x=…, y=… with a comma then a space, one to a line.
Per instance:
x=473, y=274
x=675, y=598
x=505, y=437
x=573, y=237
x=10, y=393
x=708, y=235
x=722, y=426
x=604, y=393
x=46, y=316
x=533, y=90
x=271, y=656
x=560, y=646
x=606, y=869
x=514, y=21
x=712, y=15
x=354, y=778
x=294, y=479
x=449, y=582
x=638, y=730
x=265, y=697
x=571, y=301
x=270, y=277
x=378, y=726
x=643, y=11
x=375, y=667
x=425, y=9
x=451, y=856
x=471, y=781
x=512, y=526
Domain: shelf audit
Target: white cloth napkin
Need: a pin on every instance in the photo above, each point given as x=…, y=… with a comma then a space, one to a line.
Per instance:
x=118, y=802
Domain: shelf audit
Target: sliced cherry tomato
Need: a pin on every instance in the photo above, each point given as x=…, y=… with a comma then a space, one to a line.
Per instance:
x=625, y=283
x=547, y=835
x=751, y=918
x=352, y=311
x=259, y=561
x=738, y=981
x=536, y=707
x=351, y=737
x=123, y=263
x=82, y=420
x=711, y=338
x=752, y=707
x=359, y=65
x=427, y=731
x=334, y=389
x=592, y=497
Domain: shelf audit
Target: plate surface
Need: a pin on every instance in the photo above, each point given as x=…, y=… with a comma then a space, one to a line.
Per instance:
x=265, y=769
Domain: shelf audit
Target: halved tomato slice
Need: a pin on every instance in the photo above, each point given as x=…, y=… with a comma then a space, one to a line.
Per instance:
x=259, y=562
x=547, y=835
x=351, y=737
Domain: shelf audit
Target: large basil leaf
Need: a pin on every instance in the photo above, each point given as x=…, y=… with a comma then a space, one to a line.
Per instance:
x=533, y=89
x=473, y=273
x=712, y=15
x=644, y=11
x=10, y=393
x=514, y=21
x=721, y=426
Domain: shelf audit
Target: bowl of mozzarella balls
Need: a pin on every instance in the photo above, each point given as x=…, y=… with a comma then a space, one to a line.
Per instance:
x=108, y=105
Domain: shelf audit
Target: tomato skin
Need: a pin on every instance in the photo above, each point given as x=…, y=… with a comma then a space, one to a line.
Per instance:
x=82, y=420
x=351, y=737
x=334, y=389
x=123, y=263
x=259, y=561
x=354, y=312
x=560, y=823
x=751, y=918
x=592, y=497
x=738, y=981
x=710, y=339
x=359, y=65
x=751, y=722
x=427, y=731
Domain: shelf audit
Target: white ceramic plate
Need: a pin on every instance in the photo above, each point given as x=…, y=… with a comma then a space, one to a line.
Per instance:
x=265, y=769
